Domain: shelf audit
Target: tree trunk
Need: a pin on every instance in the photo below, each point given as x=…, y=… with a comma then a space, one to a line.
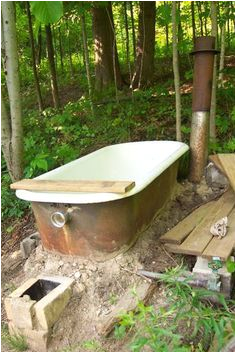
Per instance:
x=107, y=69
x=213, y=94
x=144, y=65
x=127, y=41
x=133, y=29
x=193, y=21
x=199, y=7
x=222, y=56
x=176, y=72
x=61, y=50
x=38, y=49
x=180, y=29
x=86, y=56
x=12, y=131
x=54, y=87
x=69, y=51
x=35, y=72
x=205, y=5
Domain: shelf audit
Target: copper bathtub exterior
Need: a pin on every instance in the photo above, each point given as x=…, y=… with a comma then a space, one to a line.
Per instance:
x=103, y=230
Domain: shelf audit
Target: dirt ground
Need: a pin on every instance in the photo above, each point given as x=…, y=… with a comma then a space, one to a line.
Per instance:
x=99, y=285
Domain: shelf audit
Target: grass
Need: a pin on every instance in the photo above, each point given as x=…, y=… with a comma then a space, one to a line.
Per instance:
x=188, y=323
x=16, y=343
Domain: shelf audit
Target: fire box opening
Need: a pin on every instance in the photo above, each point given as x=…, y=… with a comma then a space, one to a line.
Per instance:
x=40, y=289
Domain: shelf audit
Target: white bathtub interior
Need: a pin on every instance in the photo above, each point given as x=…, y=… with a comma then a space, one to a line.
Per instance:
x=141, y=162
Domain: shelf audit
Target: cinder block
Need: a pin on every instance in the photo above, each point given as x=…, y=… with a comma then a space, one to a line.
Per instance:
x=49, y=309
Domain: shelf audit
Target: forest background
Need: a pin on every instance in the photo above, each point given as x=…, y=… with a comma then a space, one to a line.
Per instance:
x=89, y=74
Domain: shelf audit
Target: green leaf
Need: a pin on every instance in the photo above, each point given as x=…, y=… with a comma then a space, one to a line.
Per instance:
x=47, y=11
x=42, y=164
x=230, y=265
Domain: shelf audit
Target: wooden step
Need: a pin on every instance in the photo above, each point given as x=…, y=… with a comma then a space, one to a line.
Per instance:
x=178, y=233
x=222, y=247
x=200, y=237
x=118, y=186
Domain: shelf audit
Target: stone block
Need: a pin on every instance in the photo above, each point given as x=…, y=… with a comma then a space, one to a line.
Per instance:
x=23, y=312
x=8, y=308
x=23, y=288
x=29, y=244
x=202, y=271
x=37, y=340
x=49, y=308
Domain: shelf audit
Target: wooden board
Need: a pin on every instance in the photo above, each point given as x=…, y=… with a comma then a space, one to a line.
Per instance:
x=178, y=233
x=223, y=247
x=227, y=161
x=128, y=302
x=200, y=237
x=118, y=186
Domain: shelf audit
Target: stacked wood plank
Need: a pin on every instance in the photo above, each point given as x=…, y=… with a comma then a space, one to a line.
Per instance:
x=192, y=235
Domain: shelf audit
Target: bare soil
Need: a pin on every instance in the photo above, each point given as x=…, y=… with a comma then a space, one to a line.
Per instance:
x=99, y=285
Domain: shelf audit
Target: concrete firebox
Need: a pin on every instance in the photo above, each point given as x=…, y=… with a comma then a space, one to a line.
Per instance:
x=34, y=307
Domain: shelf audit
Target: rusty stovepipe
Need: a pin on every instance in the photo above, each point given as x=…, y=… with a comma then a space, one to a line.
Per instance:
x=204, y=51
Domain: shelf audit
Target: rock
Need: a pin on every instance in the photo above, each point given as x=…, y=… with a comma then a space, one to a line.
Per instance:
x=77, y=275
x=74, y=264
x=51, y=265
x=92, y=268
x=61, y=263
x=214, y=177
x=78, y=288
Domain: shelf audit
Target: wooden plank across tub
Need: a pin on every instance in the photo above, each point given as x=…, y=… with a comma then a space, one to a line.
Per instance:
x=116, y=186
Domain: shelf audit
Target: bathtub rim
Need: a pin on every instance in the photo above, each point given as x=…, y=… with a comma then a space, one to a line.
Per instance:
x=83, y=198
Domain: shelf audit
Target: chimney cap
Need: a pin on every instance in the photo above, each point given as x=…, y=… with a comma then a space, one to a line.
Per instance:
x=204, y=44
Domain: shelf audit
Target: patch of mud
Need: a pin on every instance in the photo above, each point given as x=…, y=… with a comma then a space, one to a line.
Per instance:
x=98, y=286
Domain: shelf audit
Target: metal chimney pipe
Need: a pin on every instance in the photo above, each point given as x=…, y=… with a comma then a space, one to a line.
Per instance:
x=204, y=51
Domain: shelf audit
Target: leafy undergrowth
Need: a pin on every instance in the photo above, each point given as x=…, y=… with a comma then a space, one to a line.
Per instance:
x=15, y=343
x=188, y=323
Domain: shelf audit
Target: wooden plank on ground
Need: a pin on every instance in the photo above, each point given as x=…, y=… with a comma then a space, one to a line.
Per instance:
x=199, y=238
x=118, y=186
x=223, y=247
x=227, y=161
x=128, y=302
x=178, y=233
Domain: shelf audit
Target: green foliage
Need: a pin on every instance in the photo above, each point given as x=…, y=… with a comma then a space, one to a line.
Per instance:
x=16, y=343
x=12, y=207
x=230, y=265
x=47, y=11
x=188, y=322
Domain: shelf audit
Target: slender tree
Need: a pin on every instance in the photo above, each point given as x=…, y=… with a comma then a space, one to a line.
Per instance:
x=133, y=29
x=144, y=65
x=193, y=20
x=127, y=40
x=176, y=72
x=61, y=50
x=35, y=71
x=52, y=67
x=199, y=8
x=11, y=127
x=213, y=95
x=86, y=57
x=107, y=68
